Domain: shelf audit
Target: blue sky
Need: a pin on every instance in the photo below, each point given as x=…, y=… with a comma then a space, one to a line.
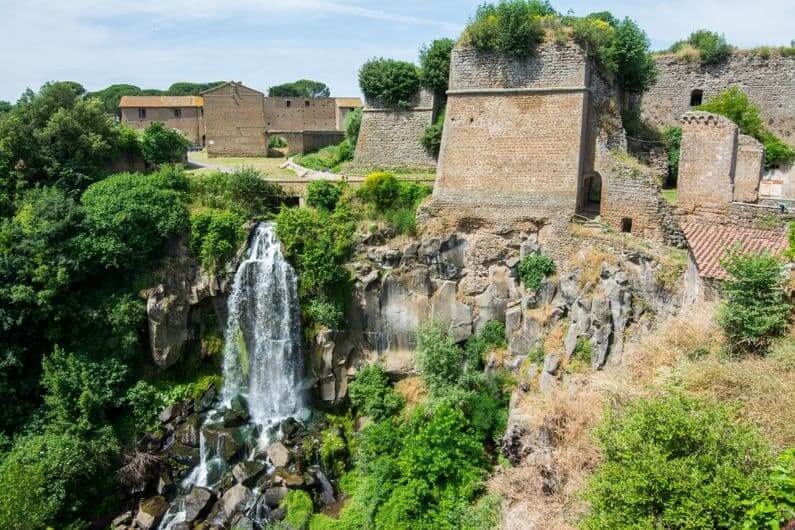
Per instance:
x=152, y=43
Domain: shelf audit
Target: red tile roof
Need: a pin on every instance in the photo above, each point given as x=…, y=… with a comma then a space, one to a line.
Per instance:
x=710, y=244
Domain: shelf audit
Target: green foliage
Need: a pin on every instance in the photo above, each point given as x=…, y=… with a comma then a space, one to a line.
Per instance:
x=49, y=479
x=432, y=137
x=215, y=236
x=754, y=309
x=324, y=312
x=353, y=123
x=111, y=96
x=185, y=88
x=674, y=462
x=382, y=189
x=712, y=47
x=129, y=216
x=328, y=158
x=145, y=402
x=511, y=26
x=319, y=244
x=439, y=359
x=435, y=65
x=775, y=506
x=298, y=505
x=372, y=395
x=389, y=82
x=5, y=107
x=534, y=268
x=492, y=336
x=333, y=451
x=735, y=105
x=303, y=88
x=244, y=189
x=790, y=252
x=323, y=194
x=484, y=514
x=672, y=137
x=276, y=142
x=403, y=220
x=161, y=145
x=629, y=59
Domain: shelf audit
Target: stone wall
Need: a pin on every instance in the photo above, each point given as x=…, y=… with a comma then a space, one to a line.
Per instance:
x=307, y=141
x=707, y=160
x=748, y=169
x=235, y=119
x=190, y=122
x=390, y=137
x=300, y=114
x=769, y=82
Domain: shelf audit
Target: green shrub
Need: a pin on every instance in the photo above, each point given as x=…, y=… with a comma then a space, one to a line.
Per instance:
x=299, y=507
x=490, y=337
x=389, y=82
x=672, y=137
x=244, y=189
x=674, y=462
x=372, y=395
x=145, y=402
x=712, y=47
x=534, y=268
x=161, y=145
x=754, y=309
x=435, y=65
x=735, y=105
x=353, y=123
x=511, y=26
x=775, y=506
x=484, y=514
x=325, y=313
x=439, y=359
x=432, y=137
x=215, y=236
x=323, y=194
x=382, y=189
x=276, y=142
x=790, y=253
x=629, y=57
x=333, y=451
x=403, y=220
x=328, y=158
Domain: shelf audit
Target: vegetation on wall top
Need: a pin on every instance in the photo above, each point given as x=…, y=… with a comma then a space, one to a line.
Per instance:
x=435, y=65
x=703, y=45
x=303, y=88
x=389, y=82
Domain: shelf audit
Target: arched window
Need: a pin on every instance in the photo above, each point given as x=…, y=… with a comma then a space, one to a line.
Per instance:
x=696, y=97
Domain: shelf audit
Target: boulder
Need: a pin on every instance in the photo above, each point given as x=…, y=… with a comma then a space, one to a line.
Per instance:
x=235, y=498
x=242, y=522
x=237, y=414
x=291, y=480
x=188, y=433
x=170, y=413
x=222, y=441
x=246, y=473
x=184, y=454
x=197, y=503
x=274, y=495
x=278, y=454
x=150, y=512
x=445, y=307
x=217, y=517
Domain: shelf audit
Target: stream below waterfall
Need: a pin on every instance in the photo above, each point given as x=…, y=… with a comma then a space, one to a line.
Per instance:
x=263, y=370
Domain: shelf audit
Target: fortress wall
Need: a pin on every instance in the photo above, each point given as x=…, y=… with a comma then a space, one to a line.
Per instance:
x=234, y=116
x=769, y=82
x=300, y=114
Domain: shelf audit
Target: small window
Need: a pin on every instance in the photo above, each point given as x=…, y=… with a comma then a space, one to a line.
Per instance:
x=306, y=103
x=288, y=102
x=141, y=114
x=696, y=97
x=626, y=225
x=177, y=113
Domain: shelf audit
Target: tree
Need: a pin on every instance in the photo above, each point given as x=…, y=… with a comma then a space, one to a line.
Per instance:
x=389, y=82
x=435, y=64
x=161, y=145
x=111, y=96
x=630, y=57
x=711, y=46
x=5, y=107
x=184, y=88
x=303, y=88
x=353, y=123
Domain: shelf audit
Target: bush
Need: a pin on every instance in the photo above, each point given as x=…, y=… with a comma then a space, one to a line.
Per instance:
x=276, y=142
x=712, y=47
x=382, y=189
x=161, y=145
x=435, y=65
x=299, y=507
x=244, y=189
x=389, y=82
x=323, y=194
x=534, y=268
x=215, y=236
x=325, y=313
x=353, y=123
x=372, y=395
x=145, y=402
x=439, y=360
x=432, y=137
x=511, y=26
x=490, y=337
x=755, y=309
x=328, y=158
x=672, y=137
x=775, y=507
x=403, y=220
x=630, y=59
x=674, y=462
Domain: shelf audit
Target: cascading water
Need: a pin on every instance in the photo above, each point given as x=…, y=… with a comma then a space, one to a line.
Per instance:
x=263, y=360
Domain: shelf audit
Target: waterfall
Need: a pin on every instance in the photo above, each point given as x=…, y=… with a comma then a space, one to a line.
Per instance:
x=263, y=360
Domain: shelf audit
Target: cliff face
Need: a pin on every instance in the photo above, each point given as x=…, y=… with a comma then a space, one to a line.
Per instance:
x=602, y=294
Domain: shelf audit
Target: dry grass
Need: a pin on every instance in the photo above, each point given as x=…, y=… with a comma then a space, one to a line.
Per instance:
x=688, y=54
x=553, y=342
x=541, y=314
x=412, y=389
x=590, y=261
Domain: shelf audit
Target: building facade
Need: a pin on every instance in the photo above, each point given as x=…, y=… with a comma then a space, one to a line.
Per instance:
x=184, y=113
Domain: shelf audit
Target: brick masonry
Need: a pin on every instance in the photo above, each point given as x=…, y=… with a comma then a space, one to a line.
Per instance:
x=190, y=121
x=235, y=117
x=769, y=82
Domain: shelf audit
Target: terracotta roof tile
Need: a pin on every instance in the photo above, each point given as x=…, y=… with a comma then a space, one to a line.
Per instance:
x=161, y=101
x=710, y=244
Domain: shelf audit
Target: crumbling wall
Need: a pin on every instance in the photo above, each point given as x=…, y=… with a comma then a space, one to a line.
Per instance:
x=768, y=81
x=748, y=169
x=234, y=116
x=390, y=137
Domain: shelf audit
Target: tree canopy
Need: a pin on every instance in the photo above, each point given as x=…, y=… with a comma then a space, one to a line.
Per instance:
x=303, y=88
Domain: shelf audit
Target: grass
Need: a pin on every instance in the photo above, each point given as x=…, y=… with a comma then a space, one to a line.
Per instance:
x=404, y=173
x=269, y=166
x=670, y=195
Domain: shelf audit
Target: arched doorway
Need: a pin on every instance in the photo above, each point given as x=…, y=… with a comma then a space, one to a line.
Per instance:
x=591, y=201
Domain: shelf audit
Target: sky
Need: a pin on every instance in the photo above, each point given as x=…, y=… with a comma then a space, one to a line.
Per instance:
x=153, y=43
